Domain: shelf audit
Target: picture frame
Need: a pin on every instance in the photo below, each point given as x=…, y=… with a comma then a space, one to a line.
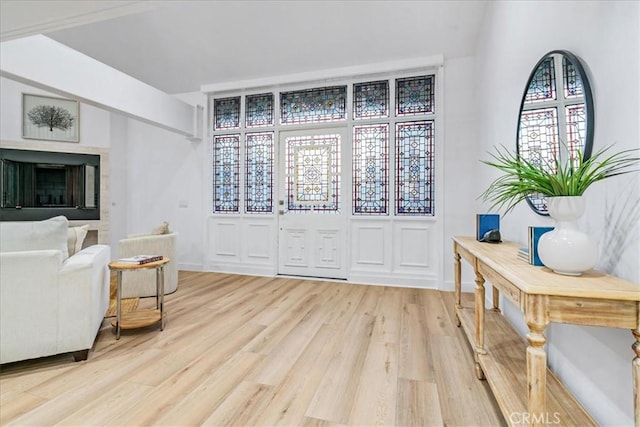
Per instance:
x=50, y=119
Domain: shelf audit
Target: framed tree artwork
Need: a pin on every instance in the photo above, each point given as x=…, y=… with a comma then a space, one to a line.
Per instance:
x=50, y=119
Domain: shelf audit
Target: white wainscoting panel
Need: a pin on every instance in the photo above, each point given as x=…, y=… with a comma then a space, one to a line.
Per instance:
x=414, y=244
x=329, y=245
x=258, y=239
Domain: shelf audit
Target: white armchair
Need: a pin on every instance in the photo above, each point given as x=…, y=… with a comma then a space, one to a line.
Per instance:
x=142, y=283
x=49, y=303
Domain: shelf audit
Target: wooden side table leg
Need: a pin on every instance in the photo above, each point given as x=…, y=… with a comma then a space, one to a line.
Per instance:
x=161, y=296
x=457, y=278
x=635, y=366
x=479, y=323
x=537, y=320
x=118, y=302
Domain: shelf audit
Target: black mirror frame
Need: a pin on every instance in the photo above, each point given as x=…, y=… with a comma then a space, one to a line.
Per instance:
x=588, y=102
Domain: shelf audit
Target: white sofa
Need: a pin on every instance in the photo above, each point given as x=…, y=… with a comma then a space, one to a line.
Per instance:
x=50, y=303
x=142, y=283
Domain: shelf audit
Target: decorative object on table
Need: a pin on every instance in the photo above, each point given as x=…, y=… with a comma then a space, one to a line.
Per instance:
x=564, y=180
x=557, y=105
x=140, y=259
x=486, y=223
x=567, y=250
x=491, y=236
x=534, y=234
x=523, y=254
x=49, y=118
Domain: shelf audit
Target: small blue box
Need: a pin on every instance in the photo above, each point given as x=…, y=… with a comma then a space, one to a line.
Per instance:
x=486, y=222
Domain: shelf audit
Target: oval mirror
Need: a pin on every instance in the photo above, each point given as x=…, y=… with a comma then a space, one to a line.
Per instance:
x=556, y=115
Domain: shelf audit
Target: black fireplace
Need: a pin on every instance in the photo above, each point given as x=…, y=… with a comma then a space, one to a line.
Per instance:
x=37, y=185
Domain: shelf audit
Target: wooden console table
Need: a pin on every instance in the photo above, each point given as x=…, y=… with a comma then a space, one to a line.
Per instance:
x=595, y=299
x=139, y=318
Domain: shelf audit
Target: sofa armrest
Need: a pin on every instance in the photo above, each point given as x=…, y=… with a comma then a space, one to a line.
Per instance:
x=28, y=303
x=84, y=297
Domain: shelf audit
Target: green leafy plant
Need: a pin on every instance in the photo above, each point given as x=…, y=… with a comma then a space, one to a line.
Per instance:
x=522, y=178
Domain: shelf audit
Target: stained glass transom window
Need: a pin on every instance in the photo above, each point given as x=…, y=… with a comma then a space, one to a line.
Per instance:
x=371, y=100
x=415, y=95
x=572, y=81
x=313, y=173
x=259, y=172
x=226, y=112
x=259, y=110
x=543, y=83
x=415, y=171
x=226, y=163
x=318, y=105
x=370, y=169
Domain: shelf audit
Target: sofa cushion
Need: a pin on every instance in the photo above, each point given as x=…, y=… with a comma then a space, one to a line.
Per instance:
x=35, y=235
x=161, y=229
x=75, y=238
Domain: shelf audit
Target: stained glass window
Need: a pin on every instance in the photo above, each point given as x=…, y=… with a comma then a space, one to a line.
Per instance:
x=226, y=112
x=313, y=173
x=259, y=110
x=543, y=83
x=572, y=81
x=539, y=137
x=371, y=100
x=415, y=168
x=259, y=172
x=325, y=104
x=415, y=95
x=370, y=169
x=226, y=163
x=576, y=132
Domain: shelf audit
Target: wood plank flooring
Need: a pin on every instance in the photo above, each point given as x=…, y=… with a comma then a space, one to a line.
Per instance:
x=263, y=351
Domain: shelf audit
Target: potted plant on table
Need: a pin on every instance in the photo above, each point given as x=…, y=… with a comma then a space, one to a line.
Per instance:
x=566, y=250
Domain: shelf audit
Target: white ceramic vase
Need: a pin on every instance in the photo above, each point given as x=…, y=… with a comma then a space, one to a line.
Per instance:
x=565, y=249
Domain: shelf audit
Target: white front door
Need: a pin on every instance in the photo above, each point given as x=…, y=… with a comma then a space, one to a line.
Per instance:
x=313, y=205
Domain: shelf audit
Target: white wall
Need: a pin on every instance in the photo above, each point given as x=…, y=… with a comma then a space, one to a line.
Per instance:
x=595, y=363
x=94, y=122
x=164, y=183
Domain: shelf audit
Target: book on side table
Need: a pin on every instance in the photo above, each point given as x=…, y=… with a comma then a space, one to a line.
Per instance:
x=140, y=259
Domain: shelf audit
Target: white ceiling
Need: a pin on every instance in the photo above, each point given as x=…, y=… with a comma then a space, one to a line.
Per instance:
x=177, y=46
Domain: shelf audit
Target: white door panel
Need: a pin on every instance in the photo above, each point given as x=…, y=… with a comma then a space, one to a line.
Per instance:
x=312, y=218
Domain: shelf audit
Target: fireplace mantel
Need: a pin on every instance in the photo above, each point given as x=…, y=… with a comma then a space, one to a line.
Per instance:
x=99, y=227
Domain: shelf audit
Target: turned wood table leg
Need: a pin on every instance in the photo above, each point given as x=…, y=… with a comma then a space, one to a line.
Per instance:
x=457, y=281
x=636, y=377
x=495, y=293
x=479, y=323
x=537, y=320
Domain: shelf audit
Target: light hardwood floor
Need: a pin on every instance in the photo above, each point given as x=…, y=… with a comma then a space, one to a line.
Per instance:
x=260, y=351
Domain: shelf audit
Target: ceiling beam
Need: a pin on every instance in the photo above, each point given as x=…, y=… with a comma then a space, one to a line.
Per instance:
x=42, y=62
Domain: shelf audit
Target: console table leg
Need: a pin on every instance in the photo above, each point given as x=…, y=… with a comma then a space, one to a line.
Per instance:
x=537, y=321
x=457, y=281
x=118, y=302
x=636, y=377
x=495, y=293
x=479, y=321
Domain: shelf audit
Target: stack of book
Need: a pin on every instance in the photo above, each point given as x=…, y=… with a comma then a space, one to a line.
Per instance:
x=140, y=259
x=530, y=253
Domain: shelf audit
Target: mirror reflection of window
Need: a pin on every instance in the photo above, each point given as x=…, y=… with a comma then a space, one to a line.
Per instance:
x=556, y=116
